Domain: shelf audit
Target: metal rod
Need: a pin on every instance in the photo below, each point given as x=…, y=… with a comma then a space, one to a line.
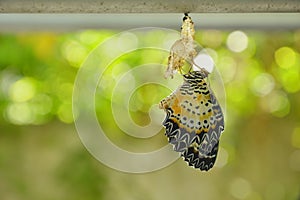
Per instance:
x=69, y=22
x=146, y=6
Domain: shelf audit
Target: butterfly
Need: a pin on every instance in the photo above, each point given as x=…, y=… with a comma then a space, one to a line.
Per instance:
x=194, y=120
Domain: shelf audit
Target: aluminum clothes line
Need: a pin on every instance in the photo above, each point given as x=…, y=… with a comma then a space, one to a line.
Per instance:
x=148, y=6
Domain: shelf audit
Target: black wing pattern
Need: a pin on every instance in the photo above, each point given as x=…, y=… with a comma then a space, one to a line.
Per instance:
x=194, y=121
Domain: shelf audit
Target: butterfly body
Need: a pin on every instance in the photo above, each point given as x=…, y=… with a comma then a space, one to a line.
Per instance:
x=194, y=121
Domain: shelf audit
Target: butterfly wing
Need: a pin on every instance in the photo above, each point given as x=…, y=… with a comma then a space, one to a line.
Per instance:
x=194, y=123
x=202, y=153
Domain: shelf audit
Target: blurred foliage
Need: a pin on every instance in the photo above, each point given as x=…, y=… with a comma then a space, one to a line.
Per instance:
x=40, y=159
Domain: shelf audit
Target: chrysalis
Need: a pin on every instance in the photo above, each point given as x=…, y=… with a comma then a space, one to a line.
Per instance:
x=183, y=49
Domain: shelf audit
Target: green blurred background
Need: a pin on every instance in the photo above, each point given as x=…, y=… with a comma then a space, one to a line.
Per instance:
x=41, y=156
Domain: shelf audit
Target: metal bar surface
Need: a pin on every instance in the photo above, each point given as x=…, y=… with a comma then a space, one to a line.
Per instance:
x=146, y=6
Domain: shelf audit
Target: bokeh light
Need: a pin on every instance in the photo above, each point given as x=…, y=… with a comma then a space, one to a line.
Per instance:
x=240, y=188
x=127, y=41
x=290, y=78
x=19, y=113
x=285, y=57
x=237, y=41
x=74, y=52
x=263, y=84
x=222, y=159
x=203, y=60
x=22, y=90
x=41, y=154
x=276, y=103
x=228, y=67
x=65, y=113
